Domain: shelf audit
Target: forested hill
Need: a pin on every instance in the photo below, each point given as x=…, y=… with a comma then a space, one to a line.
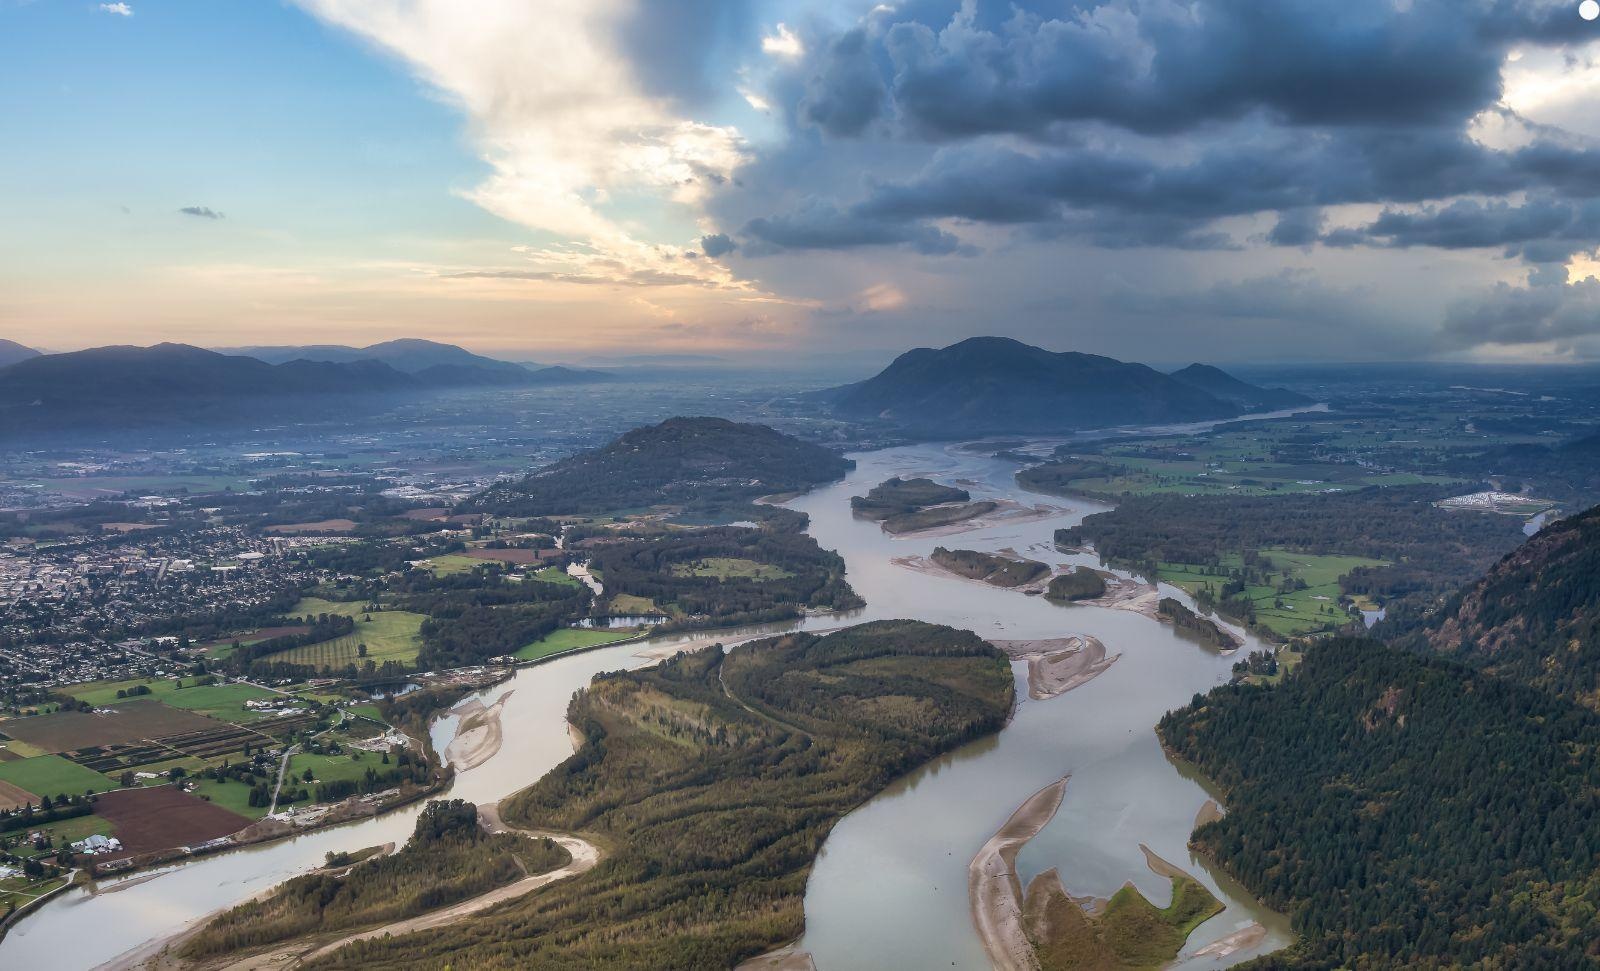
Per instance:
x=1406, y=811
x=1220, y=384
x=707, y=466
x=1536, y=616
x=990, y=385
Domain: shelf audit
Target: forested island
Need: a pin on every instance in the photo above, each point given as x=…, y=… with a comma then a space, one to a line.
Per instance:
x=897, y=496
x=713, y=779
x=991, y=568
x=1206, y=630
x=1081, y=583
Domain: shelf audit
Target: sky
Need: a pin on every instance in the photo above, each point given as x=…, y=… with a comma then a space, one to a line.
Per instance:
x=773, y=180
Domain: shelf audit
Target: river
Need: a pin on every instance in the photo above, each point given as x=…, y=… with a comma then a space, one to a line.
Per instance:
x=889, y=889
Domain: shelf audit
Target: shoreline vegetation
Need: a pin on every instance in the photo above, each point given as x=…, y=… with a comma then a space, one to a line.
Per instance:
x=712, y=779
x=461, y=860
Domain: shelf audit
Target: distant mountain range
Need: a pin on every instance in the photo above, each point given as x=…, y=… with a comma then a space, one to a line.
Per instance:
x=11, y=352
x=704, y=465
x=432, y=363
x=1220, y=384
x=177, y=385
x=995, y=385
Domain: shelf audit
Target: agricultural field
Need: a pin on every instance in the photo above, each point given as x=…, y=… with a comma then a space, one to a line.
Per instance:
x=391, y=635
x=730, y=567
x=1303, y=611
x=553, y=574
x=574, y=638
x=452, y=563
x=52, y=775
x=231, y=795
x=331, y=768
x=630, y=605
x=163, y=817
x=66, y=731
x=222, y=701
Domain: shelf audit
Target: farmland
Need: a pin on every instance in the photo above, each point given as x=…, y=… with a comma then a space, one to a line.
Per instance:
x=1285, y=612
x=66, y=731
x=224, y=701
x=391, y=635
x=163, y=817
x=52, y=775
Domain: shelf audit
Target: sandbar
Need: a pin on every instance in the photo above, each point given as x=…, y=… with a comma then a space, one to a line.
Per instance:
x=993, y=891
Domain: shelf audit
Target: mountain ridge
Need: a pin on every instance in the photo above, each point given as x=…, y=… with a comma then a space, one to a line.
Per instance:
x=998, y=385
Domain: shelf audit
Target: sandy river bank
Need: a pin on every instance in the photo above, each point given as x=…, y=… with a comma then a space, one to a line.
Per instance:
x=993, y=891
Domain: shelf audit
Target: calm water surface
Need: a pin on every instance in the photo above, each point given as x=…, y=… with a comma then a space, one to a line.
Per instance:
x=889, y=889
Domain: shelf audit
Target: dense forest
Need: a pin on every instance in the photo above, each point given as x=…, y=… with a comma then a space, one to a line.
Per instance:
x=705, y=467
x=713, y=780
x=1432, y=551
x=1405, y=810
x=896, y=496
x=1204, y=629
x=652, y=565
x=1083, y=583
x=449, y=859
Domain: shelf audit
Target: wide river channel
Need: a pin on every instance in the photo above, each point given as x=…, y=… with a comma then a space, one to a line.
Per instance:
x=890, y=887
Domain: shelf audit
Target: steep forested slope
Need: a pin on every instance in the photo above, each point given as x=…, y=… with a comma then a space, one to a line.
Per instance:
x=1536, y=616
x=1406, y=811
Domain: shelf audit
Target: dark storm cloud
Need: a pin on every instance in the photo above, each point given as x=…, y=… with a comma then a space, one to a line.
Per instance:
x=847, y=93
x=991, y=68
x=1542, y=230
x=202, y=212
x=717, y=244
x=1258, y=169
x=820, y=226
x=1550, y=312
x=1297, y=227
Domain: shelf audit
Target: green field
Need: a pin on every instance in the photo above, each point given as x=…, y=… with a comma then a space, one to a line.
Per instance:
x=65, y=831
x=730, y=567
x=1304, y=611
x=454, y=563
x=572, y=638
x=331, y=768
x=627, y=603
x=233, y=796
x=224, y=701
x=391, y=635
x=52, y=775
x=16, y=891
x=552, y=574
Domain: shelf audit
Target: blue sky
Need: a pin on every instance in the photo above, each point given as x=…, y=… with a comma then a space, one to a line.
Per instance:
x=1225, y=179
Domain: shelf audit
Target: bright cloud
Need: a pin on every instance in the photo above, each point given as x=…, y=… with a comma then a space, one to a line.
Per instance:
x=556, y=112
x=120, y=9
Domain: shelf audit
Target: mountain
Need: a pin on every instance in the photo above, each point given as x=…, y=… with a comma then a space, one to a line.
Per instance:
x=11, y=352
x=1220, y=384
x=1535, y=617
x=994, y=385
x=433, y=364
x=173, y=384
x=704, y=465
